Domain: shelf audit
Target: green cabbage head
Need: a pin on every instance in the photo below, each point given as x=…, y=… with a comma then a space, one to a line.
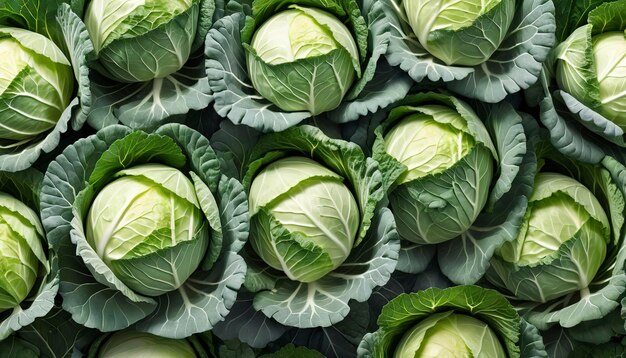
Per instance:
x=561, y=244
x=144, y=345
x=304, y=219
x=21, y=251
x=447, y=177
x=593, y=70
x=148, y=227
x=463, y=33
x=303, y=59
x=449, y=334
x=36, y=84
x=140, y=40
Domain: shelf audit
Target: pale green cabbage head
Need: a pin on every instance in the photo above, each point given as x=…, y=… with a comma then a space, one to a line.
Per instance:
x=21, y=251
x=144, y=345
x=578, y=72
x=309, y=201
x=449, y=334
x=463, y=33
x=561, y=212
x=140, y=40
x=315, y=54
x=36, y=84
x=147, y=226
x=435, y=145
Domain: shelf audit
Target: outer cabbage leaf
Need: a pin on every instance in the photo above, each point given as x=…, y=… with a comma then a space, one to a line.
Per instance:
x=401, y=282
x=558, y=343
x=248, y=325
x=233, y=144
x=571, y=15
x=582, y=135
x=599, y=331
x=55, y=335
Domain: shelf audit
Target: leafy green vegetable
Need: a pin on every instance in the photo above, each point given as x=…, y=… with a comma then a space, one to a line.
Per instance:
x=591, y=68
x=480, y=49
x=563, y=219
x=460, y=321
x=159, y=246
x=318, y=237
x=300, y=40
x=36, y=87
x=582, y=90
x=444, y=27
x=566, y=265
x=435, y=144
x=305, y=198
x=29, y=280
x=276, y=63
x=141, y=66
x=153, y=236
x=140, y=40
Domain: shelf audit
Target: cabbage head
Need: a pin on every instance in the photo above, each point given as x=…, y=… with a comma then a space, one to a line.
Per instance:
x=449, y=29
x=21, y=252
x=480, y=49
x=155, y=229
x=446, y=159
x=590, y=69
x=297, y=41
x=310, y=202
x=140, y=40
x=317, y=229
x=460, y=321
x=36, y=85
x=144, y=345
x=562, y=242
x=148, y=227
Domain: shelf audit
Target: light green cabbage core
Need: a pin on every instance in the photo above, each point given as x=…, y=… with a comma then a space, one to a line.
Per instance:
x=36, y=84
x=149, y=217
x=427, y=145
x=144, y=345
x=449, y=334
x=21, y=251
x=314, y=206
x=559, y=208
x=314, y=57
x=609, y=53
